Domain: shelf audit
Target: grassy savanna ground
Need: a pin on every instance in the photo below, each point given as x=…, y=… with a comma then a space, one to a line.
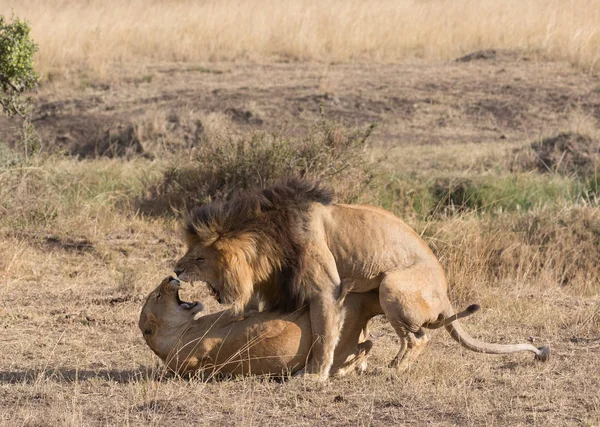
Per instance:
x=89, y=225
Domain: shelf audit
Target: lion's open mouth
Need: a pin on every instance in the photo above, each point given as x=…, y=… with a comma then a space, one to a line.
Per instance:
x=184, y=304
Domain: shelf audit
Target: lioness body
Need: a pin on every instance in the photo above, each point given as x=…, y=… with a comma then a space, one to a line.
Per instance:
x=290, y=244
x=258, y=343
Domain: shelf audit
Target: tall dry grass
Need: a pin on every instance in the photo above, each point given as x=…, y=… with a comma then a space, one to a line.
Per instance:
x=95, y=33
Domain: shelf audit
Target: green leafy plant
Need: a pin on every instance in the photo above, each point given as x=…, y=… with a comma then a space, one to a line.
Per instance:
x=17, y=75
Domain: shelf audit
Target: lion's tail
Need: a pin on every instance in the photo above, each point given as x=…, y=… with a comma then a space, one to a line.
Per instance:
x=444, y=320
x=467, y=341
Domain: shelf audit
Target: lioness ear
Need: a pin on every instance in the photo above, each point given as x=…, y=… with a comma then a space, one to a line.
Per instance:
x=199, y=310
x=149, y=325
x=152, y=319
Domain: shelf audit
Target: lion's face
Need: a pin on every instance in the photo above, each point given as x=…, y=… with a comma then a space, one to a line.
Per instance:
x=223, y=265
x=204, y=264
x=163, y=308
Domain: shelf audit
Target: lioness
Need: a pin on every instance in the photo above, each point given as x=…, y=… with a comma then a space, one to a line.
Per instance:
x=256, y=343
x=291, y=245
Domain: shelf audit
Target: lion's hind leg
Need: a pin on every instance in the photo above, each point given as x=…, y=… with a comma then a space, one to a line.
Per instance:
x=415, y=343
x=407, y=298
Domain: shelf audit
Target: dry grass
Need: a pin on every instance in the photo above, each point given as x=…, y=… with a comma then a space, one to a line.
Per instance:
x=73, y=354
x=76, y=263
x=96, y=34
x=77, y=258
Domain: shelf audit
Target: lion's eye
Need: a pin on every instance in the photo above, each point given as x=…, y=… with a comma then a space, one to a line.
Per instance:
x=158, y=296
x=200, y=259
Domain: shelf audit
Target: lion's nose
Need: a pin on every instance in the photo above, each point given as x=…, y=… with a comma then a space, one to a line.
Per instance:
x=178, y=270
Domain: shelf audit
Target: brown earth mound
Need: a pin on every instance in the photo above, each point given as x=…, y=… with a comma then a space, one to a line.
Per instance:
x=567, y=153
x=88, y=136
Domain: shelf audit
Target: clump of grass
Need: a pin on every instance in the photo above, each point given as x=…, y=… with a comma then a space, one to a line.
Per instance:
x=452, y=196
x=591, y=189
x=444, y=197
x=330, y=153
x=46, y=191
x=538, y=247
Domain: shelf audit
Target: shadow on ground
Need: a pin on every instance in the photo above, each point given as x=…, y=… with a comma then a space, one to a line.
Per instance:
x=69, y=375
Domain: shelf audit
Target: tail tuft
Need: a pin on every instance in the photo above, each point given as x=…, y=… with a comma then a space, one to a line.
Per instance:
x=544, y=354
x=473, y=308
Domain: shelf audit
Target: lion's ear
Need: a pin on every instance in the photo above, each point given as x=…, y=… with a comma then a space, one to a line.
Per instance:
x=204, y=234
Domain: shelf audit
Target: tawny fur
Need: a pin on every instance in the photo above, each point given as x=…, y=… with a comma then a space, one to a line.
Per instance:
x=258, y=343
x=291, y=245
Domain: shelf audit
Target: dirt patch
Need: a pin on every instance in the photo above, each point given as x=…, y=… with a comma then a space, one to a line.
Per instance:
x=112, y=301
x=24, y=397
x=485, y=96
x=567, y=153
x=243, y=116
x=64, y=243
x=88, y=136
x=493, y=55
x=478, y=56
x=497, y=111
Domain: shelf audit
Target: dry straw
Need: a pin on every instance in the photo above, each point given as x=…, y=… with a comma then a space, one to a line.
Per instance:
x=96, y=33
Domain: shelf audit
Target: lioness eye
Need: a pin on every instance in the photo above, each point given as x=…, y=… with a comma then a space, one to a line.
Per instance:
x=158, y=296
x=199, y=259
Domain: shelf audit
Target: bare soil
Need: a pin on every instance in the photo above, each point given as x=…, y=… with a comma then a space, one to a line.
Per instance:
x=487, y=96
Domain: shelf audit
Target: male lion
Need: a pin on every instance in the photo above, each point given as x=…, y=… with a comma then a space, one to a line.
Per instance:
x=260, y=343
x=291, y=245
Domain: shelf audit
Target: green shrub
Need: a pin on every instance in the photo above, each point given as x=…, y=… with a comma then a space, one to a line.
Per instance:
x=329, y=153
x=17, y=74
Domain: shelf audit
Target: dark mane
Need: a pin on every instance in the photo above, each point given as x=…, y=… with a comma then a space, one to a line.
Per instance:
x=277, y=218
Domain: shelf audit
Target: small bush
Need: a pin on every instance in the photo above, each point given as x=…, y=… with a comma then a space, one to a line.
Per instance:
x=451, y=196
x=330, y=153
x=17, y=74
x=592, y=188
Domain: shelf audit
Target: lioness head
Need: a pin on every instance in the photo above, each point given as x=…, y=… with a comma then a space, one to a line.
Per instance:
x=164, y=309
